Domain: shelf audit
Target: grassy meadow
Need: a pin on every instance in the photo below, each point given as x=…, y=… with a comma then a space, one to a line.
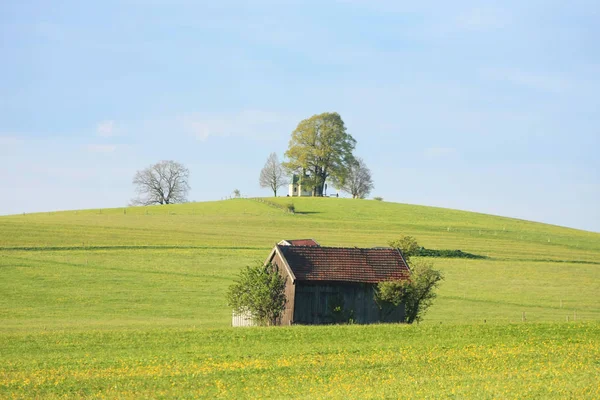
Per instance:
x=129, y=302
x=378, y=361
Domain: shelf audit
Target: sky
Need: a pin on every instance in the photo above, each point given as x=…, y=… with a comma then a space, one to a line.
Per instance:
x=482, y=106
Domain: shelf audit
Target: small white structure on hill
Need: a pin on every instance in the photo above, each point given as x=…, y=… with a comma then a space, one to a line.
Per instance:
x=297, y=189
x=243, y=319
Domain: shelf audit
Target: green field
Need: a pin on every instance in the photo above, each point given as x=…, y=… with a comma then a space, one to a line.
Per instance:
x=460, y=361
x=130, y=302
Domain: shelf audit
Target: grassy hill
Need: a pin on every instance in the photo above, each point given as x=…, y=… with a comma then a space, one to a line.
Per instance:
x=170, y=265
x=117, y=302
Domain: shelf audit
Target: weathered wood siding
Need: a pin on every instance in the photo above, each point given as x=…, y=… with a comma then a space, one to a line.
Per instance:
x=288, y=314
x=333, y=302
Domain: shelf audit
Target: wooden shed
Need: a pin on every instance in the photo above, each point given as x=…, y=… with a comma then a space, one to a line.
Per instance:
x=326, y=285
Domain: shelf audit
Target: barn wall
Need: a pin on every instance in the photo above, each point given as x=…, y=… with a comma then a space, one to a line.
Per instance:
x=333, y=302
x=288, y=314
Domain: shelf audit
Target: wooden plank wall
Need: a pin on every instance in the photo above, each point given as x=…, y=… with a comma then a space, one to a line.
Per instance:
x=316, y=303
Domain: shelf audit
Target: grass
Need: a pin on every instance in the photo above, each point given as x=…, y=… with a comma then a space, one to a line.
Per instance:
x=130, y=303
x=335, y=222
x=468, y=361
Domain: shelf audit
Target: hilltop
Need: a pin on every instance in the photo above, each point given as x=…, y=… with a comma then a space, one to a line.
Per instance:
x=337, y=222
x=170, y=265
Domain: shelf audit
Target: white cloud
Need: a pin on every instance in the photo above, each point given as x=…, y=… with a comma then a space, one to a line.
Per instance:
x=394, y=6
x=536, y=81
x=9, y=140
x=480, y=19
x=106, y=129
x=101, y=148
x=439, y=18
x=256, y=124
x=439, y=152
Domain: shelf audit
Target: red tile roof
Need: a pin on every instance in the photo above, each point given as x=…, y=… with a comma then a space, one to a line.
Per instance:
x=299, y=242
x=345, y=264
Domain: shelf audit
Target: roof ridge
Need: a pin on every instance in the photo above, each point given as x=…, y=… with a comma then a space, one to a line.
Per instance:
x=352, y=248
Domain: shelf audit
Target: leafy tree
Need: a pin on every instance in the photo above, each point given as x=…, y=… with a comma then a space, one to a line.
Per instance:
x=407, y=245
x=320, y=148
x=165, y=182
x=259, y=291
x=389, y=295
x=359, y=181
x=272, y=175
x=416, y=293
x=237, y=194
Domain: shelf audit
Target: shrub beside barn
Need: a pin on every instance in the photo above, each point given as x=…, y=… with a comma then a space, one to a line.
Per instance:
x=327, y=285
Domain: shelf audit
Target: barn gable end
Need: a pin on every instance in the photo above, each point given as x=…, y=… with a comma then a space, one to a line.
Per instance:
x=284, y=269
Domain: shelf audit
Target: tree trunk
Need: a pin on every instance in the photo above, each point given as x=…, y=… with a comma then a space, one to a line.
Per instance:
x=320, y=188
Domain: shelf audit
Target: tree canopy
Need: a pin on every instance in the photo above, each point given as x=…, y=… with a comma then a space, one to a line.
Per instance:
x=320, y=148
x=407, y=245
x=272, y=175
x=416, y=293
x=359, y=181
x=259, y=291
x=165, y=182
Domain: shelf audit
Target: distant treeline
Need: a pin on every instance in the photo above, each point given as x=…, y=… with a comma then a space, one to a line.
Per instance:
x=423, y=252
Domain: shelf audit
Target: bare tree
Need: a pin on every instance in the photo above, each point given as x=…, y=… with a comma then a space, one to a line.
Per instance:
x=165, y=182
x=359, y=182
x=272, y=175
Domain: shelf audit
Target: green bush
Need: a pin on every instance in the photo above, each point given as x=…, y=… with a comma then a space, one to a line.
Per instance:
x=407, y=245
x=417, y=293
x=260, y=291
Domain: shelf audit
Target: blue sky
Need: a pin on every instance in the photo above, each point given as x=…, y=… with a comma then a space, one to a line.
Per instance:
x=482, y=106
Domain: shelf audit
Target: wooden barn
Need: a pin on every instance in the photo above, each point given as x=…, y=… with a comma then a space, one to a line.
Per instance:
x=328, y=285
